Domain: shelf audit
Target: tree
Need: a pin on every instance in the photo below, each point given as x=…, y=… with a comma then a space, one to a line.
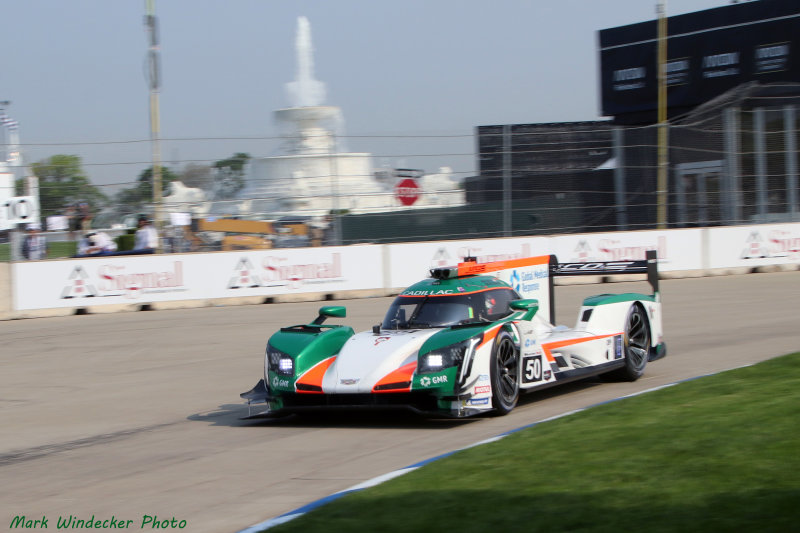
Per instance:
x=197, y=176
x=62, y=182
x=229, y=176
x=142, y=193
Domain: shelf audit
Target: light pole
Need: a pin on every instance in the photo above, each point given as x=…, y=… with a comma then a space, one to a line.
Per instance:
x=662, y=185
x=154, y=81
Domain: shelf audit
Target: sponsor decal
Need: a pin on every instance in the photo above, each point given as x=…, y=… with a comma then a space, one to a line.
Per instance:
x=349, y=381
x=276, y=271
x=116, y=280
x=479, y=401
x=524, y=281
x=778, y=244
x=530, y=342
x=427, y=381
x=618, y=347
x=754, y=247
x=277, y=382
x=441, y=258
x=431, y=292
x=783, y=244
x=379, y=340
x=78, y=287
x=483, y=377
x=482, y=389
x=244, y=276
x=546, y=375
x=616, y=250
x=582, y=251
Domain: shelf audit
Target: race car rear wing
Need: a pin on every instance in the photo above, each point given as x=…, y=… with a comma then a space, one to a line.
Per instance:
x=534, y=277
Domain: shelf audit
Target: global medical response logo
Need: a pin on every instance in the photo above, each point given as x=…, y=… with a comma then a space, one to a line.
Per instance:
x=78, y=286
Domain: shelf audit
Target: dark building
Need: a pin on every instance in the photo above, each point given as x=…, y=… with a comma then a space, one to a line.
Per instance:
x=733, y=95
x=551, y=167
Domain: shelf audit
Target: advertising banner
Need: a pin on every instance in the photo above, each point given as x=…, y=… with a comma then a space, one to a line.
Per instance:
x=677, y=249
x=752, y=246
x=157, y=278
x=409, y=263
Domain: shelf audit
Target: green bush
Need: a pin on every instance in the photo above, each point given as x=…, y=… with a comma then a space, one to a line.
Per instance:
x=125, y=242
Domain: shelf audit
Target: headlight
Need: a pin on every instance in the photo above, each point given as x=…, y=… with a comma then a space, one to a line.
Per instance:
x=446, y=357
x=279, y=362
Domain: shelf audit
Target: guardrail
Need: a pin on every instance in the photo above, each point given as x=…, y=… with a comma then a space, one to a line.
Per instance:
x=103, y=284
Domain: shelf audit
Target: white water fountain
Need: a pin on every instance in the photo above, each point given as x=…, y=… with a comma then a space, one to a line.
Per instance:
x=314, y=176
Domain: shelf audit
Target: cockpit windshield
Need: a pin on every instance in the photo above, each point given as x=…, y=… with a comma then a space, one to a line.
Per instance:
x=414, y=312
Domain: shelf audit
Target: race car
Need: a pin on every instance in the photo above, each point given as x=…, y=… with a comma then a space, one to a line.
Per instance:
x=465, y=341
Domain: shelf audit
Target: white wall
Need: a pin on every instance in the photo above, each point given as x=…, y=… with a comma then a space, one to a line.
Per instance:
x=311, y=273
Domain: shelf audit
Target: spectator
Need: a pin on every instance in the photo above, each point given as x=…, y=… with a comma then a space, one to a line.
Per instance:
x=96, y=243
x=34, y=246
x=146, y=237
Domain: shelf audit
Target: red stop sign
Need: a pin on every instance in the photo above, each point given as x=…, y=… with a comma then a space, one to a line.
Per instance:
x=407, y=191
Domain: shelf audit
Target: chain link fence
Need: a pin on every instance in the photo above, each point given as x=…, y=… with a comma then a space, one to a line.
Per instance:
x=731, y=161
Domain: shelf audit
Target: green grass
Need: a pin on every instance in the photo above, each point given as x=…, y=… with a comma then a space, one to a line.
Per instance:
x=720, y=453
x=54, y=250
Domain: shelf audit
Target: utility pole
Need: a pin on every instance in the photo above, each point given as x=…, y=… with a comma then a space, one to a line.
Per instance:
x=154, y=82
x=662, y=185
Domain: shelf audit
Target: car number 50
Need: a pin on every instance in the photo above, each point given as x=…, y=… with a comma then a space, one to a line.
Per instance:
x=532, y=369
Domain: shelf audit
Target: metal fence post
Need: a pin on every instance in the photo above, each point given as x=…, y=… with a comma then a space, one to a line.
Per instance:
x=761, y=164
x=620, y=191
x=507, y=180
x=790, y=147
x=733, y=209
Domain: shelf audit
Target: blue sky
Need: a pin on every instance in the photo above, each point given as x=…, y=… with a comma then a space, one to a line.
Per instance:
x=74, y=72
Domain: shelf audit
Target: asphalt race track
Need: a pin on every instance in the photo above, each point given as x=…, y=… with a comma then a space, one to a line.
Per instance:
x=135, y=414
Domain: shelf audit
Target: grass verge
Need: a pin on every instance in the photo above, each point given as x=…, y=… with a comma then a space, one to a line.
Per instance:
x=720, y=453
x=54, y=250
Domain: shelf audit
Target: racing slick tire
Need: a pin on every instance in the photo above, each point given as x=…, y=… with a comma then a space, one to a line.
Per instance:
x=636, y=345
x=504, y=374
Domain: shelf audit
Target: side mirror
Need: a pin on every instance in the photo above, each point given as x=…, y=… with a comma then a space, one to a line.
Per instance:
x=336, y=311
x=531, y=306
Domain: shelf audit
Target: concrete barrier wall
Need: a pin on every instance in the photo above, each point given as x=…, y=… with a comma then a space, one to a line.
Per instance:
x=128, y=283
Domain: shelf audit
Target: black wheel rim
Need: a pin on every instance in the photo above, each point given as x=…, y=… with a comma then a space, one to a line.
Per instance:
x=638, y=338
x=507, y=372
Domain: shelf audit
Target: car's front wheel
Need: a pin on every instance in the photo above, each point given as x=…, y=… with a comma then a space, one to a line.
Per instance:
x=504, y=374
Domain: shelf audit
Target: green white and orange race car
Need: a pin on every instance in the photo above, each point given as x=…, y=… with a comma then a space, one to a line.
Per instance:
x=465, y=341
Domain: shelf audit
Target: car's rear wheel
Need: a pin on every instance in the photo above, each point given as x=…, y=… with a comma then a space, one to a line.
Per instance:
x=504, y=374
x=637, y=345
